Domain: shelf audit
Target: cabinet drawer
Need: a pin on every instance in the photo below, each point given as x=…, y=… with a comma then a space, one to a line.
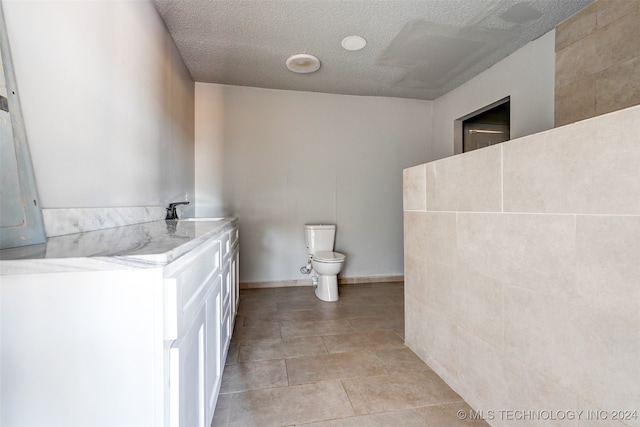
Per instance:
x=234, y=235
x=186, y=282
x=235, y=277
x=226, y=245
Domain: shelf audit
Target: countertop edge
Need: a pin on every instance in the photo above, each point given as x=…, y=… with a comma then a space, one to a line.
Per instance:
x=116, y=262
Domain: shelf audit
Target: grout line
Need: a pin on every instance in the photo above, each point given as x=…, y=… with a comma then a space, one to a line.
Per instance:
x=286, y=370
x=324, y=345
x=348, y=397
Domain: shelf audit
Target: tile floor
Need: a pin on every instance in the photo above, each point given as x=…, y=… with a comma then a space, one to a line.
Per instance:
x=297, y=361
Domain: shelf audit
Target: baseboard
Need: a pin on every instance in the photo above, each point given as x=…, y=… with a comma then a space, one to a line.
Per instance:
x=276, y=284
x=307, y=282
x=369, y=279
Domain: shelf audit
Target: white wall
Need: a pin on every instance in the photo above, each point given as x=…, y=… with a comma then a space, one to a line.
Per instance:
x=527, y=76
x=107, y=102
x=292, y=158
x=209, y=150
x=272, y=148
x=109, y=111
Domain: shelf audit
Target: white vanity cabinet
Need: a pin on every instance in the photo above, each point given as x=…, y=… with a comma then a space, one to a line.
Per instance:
x=193, y=298
x=119, y=346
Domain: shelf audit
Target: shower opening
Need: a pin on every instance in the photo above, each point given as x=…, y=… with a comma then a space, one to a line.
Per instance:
x=483, y=128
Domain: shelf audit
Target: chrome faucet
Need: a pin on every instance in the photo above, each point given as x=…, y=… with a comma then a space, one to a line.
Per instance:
x=172, y=213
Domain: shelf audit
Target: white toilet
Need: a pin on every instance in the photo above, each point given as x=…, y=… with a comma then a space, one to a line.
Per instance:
x=325, y=264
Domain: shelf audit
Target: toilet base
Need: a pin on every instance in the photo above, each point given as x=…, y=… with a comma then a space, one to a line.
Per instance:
x=327, y=289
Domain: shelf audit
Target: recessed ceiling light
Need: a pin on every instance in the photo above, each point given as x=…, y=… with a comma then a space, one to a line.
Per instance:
x=303, y=63
x=353, y=43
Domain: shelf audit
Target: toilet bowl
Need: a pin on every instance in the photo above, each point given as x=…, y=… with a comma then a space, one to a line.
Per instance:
x=324, y=264
x=327, y=265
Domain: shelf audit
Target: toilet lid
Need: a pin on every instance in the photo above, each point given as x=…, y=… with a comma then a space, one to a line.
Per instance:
x=328, y=257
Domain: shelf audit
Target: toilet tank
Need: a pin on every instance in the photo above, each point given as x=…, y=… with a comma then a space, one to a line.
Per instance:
x=319, y=237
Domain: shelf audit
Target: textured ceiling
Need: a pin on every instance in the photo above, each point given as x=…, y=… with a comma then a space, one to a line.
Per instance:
x=415, y=49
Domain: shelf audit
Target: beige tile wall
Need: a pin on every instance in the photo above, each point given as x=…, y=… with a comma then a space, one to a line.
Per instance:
x=522, y=272
x=598, y=61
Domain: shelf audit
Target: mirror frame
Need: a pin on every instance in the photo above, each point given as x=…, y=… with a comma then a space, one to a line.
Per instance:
x=31, y=230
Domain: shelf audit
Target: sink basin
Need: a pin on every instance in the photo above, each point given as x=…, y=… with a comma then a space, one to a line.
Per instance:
x=201, y=219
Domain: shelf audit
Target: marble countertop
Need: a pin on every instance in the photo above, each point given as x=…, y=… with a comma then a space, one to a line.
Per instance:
x=145, y=245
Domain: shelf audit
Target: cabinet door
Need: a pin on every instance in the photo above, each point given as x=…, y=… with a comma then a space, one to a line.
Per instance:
x=186, y=282
x=227, y=312
x=227, y=287
x=235, y=278
x=186, y=376
x=213, y=348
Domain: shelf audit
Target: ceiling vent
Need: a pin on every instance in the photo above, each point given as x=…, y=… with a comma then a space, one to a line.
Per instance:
x=303, y=63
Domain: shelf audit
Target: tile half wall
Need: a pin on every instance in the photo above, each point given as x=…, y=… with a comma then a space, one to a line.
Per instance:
x=522, y=272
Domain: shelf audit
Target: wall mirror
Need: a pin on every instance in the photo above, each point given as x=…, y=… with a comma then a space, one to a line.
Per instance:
x=21, y=222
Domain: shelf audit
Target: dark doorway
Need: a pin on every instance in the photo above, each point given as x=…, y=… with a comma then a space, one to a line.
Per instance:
x=486, y=127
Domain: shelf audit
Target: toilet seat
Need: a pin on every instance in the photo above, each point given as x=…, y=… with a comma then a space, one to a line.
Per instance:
x=328, y=257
